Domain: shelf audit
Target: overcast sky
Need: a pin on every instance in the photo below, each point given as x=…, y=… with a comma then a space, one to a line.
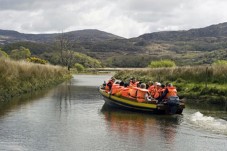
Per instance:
x=126, y=18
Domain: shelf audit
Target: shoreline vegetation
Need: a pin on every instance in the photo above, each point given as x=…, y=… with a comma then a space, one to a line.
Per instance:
x=21, y=77
x=196, y=84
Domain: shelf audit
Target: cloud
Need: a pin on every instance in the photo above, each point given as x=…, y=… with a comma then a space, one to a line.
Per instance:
x=128, y=18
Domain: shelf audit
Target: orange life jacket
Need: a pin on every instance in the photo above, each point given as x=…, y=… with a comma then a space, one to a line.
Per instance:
x=119, y=91
x=172, y=91
x=115, y=88
x=151, y=89
x=133, y=91
x=141, y=95
x=124, y=92
x=131, y=84
x=158, y=92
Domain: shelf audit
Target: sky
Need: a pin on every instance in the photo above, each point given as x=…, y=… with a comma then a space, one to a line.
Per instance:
x=126, y=18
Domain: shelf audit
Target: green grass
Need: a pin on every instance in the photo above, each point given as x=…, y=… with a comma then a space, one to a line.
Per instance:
x=19, y=77
x=203, y=83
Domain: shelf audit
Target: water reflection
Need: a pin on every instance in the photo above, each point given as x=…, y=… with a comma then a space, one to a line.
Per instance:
x=141, y=125
x=63, y=95
x=24, y=99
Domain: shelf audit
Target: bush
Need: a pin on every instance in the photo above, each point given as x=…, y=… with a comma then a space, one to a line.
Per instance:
x=36, y=60
x=79, y=67
x=220, y=62
x=3, y=54
x=162, y=63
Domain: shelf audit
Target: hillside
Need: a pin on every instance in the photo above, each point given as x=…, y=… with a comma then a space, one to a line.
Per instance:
x=90, y=35
x=216, y=31
x=187, y=47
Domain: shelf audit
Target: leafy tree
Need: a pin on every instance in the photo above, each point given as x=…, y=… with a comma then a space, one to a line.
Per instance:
x=162, y=63
x=21, y=53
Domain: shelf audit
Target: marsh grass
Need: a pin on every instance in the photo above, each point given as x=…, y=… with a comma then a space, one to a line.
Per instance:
x=18, y=77
x=206, y=82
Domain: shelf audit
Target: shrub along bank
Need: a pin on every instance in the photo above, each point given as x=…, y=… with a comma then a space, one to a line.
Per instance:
x=19, y=77
x=200, y=84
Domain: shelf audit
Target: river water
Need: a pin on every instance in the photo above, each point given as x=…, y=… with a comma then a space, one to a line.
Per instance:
x=73, y=117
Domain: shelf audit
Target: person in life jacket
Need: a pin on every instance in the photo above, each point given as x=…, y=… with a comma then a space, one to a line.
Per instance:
x=133, y=82
x=152, y=89
x=159, y=91
x=124, y=92
x=169, y=92
x=109, y=84
x=143, y=94
x=133, y=92
x=116, y=88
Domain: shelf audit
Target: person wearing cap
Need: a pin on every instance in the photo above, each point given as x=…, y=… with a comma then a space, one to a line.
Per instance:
x=158, y=90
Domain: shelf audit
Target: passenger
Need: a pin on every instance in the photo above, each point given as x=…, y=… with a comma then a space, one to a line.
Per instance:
x=116, y=88
x=157, y=90
x=160, y=91
x=143, y=94
x=133, y=82
x=169, y=92
x=124, y=92
x=163, y=87
x=151, y=89
x=149, y=84
x=133, y=92
x=109, y=84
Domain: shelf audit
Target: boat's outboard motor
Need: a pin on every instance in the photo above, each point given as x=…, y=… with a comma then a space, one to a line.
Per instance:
x=173, y=103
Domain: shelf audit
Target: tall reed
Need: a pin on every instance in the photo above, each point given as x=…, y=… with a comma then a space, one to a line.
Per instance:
x=18, y=77
x=198, y=74
x=200, y=82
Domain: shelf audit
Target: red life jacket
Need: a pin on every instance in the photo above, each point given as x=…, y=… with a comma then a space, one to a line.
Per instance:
x=141, y=95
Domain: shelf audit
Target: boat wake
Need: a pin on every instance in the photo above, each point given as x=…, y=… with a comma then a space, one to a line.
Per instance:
x=209, y=123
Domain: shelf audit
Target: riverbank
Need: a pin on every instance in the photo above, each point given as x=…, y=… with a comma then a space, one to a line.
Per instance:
x=21, y=77
x=207, y=84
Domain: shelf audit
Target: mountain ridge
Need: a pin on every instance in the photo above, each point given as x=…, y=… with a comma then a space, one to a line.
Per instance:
x=187, y=47
x=9, y=36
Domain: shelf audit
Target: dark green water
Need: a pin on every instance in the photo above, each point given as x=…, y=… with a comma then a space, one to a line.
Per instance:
x=73, y=117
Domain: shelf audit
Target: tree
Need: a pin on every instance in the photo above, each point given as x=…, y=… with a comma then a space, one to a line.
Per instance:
x=21, y=53
x=65, y=46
